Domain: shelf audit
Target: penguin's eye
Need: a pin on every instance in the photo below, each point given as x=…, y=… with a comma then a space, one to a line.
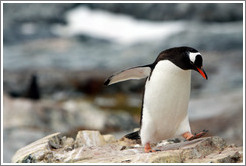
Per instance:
x=198, y=61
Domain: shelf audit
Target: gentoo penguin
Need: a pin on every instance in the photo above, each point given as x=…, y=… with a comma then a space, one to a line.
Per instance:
x=166, y=95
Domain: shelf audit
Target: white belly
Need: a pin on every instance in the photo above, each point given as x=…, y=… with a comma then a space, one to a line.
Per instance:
x=165, y=104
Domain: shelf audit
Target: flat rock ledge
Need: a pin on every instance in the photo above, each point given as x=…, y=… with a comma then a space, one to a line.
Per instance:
x=92, y=147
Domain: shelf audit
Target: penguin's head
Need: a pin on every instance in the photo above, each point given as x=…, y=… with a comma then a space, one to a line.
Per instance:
x=186, y=58
x=196, y=63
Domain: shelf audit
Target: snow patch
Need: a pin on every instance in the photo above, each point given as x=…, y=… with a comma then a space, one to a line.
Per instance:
x=118, y=28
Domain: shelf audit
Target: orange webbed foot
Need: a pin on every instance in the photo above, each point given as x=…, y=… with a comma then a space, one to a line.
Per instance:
x=147, y=148
x=188, y=136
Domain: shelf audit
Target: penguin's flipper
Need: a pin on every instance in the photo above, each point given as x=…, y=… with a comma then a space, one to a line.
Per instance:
x=128, y=74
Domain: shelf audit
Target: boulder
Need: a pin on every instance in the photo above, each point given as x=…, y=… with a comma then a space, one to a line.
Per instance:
x=92, y=147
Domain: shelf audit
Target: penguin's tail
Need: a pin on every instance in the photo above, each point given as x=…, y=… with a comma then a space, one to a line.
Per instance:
x=133, y=136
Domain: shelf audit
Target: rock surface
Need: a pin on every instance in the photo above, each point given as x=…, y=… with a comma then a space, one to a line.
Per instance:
x=92, y=147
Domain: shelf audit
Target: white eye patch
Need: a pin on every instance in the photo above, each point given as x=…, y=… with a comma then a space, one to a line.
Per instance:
x=192, y=56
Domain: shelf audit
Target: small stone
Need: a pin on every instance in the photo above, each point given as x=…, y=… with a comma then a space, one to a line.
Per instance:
x=55, y=142
x=123, y=148
x=68, y=141
x=68, y=144
x=126, y=161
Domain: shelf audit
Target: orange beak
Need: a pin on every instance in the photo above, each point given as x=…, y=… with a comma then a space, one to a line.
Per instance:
x=202, y=72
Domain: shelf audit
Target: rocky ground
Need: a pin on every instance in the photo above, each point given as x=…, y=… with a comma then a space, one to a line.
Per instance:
x=26, y=120
x=92, y=147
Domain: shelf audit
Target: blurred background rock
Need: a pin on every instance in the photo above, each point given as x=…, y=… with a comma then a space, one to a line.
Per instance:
x=57, y=56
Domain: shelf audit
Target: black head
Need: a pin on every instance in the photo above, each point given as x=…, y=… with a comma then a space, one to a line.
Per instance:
x=186, y=58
